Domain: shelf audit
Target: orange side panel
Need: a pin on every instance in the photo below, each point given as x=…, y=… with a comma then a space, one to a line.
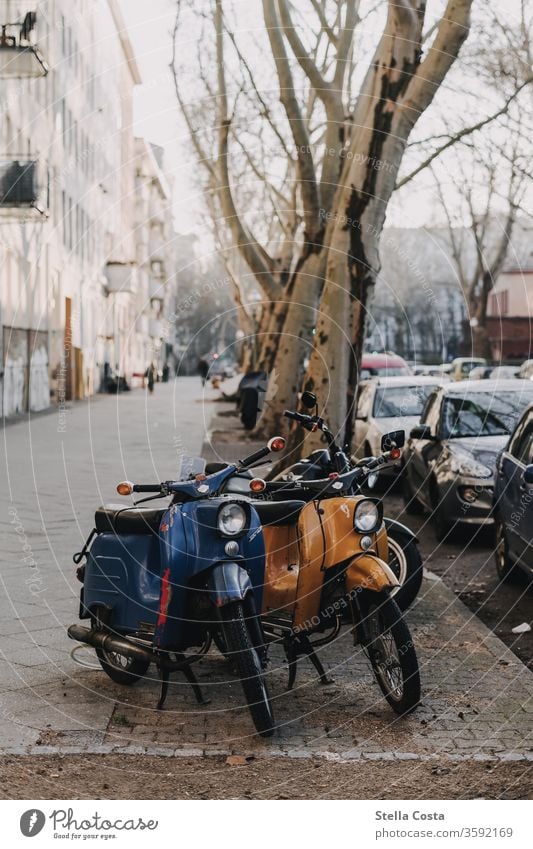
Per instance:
x=279, y=593
x=311, y=574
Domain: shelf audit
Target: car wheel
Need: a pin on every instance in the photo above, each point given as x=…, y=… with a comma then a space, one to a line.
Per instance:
x=504, y=566
x=413, y=507
x=441, y=525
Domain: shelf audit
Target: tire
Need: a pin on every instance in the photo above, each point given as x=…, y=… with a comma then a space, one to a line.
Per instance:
x=441, y=526
x=389, y=644
x=242, y=652
x=504, y=565
x=413, y=507
x=122, y=669
x=406, y=563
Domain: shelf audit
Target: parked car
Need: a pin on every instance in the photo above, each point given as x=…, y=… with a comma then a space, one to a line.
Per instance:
x=506, y=372
x=480, y=373
x=383, y=365
x=450, y=458
x=462, y=366
x=513, y=501
x=385, y=404
x=526, y=370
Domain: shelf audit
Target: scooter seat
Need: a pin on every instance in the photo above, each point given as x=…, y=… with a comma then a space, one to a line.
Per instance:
x=119, y=520
x=279, y=512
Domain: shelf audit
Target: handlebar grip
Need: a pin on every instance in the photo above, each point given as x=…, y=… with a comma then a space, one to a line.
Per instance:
x=147, y=487
x=297, y=417
x=255, y=457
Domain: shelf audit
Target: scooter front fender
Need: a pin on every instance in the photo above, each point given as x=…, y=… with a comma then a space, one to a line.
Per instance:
x=392, y=524
x=228, y=581
x=368, y=572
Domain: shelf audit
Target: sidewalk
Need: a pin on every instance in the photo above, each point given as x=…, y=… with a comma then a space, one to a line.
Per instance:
x=477, y=696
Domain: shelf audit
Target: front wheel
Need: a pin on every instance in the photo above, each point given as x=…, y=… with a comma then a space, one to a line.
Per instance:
x=406, y=563
x=241, y=651
x=504, y=565
x=391, y=652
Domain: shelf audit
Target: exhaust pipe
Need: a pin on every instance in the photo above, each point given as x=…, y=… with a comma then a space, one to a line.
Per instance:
x=111, y=643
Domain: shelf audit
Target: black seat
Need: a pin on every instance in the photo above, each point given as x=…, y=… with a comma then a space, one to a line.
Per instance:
x=279, y=512
x=123, y=520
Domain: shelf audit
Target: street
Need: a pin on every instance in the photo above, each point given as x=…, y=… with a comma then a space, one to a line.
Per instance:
x=473, y=724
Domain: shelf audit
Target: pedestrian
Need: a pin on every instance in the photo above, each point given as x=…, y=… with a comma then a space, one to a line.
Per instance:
x=166, y=372
x=150, y=376
x=203, y=368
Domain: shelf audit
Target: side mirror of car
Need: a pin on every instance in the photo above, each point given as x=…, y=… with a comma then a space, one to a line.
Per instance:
x=421, y=432
x=393, y=439
x=528, y=475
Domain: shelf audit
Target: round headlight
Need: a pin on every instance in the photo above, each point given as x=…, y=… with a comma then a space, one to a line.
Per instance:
x=366, y=517
x=231, y=519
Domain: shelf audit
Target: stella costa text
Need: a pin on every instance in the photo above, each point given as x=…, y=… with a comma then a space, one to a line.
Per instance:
x=413, y=815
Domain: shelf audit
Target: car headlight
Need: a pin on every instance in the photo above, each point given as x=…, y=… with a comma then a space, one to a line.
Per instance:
x=232, y=519
x=464, y=464
x=366, y=517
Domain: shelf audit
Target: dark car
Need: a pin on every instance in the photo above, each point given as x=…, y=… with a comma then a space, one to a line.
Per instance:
x=450, y=458
x=513, y=501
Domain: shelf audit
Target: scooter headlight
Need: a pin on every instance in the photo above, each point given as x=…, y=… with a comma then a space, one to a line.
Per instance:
x=366, y=517
x=232, y=519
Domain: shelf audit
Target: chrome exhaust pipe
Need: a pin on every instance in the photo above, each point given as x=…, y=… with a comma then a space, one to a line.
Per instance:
x=99, y=639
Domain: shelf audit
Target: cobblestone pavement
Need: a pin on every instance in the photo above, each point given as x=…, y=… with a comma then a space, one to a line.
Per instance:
x=477, y=696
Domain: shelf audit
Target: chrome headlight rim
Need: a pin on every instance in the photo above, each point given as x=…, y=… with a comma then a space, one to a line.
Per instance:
x=373, y=509
x=223, y=529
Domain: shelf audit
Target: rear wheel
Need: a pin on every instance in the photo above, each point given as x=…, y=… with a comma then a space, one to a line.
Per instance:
x=240, y=650
x=391, y=652
x=122, y=669
x=406, y=563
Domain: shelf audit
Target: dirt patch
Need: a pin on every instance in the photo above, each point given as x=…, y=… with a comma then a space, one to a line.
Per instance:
x=142, y=777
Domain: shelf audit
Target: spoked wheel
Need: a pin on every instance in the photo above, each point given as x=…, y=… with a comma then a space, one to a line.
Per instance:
x=406, y=563
x=122, y=669
x=390, y=649
x=241, y=651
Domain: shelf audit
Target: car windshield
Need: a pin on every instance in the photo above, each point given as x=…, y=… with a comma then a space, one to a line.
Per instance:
x=482, y=414
x=401, y=401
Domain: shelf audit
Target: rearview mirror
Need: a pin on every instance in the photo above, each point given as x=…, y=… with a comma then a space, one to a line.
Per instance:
x=393, y=439
x=309, y=400
x=421, y=432
x=528, y=475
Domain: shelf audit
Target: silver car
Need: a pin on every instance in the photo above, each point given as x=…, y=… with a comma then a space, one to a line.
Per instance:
x=450, y=458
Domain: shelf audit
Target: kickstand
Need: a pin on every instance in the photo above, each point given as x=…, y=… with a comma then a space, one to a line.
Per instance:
x=193, y=681
x=308, y=649
x=163, y=675
x=292, y=658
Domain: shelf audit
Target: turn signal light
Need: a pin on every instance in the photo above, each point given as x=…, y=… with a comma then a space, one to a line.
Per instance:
x=277, y=443
x=125, y=488
x=257, y=485
x=395, y=453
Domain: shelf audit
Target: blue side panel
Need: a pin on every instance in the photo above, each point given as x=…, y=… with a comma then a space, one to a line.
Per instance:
x=123, y=573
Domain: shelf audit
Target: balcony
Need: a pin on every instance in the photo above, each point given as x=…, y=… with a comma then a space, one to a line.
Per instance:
x=121, y=277
x=23, y=186
x=19, y=56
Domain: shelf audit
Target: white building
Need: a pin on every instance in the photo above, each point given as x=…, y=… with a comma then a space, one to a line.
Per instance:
x=70, y=260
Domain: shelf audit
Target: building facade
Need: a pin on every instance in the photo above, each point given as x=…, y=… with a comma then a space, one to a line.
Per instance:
x=77, y=254
x=509, y=315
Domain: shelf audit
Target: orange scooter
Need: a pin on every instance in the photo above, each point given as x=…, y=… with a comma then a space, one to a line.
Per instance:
x=326, y=561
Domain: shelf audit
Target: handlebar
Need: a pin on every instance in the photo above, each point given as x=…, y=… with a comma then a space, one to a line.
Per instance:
x=147, y=487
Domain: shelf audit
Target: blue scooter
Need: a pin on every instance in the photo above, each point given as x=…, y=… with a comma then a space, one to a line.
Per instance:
x=160, y=582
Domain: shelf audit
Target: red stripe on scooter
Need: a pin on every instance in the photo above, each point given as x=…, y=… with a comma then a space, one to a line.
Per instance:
x=165, y=598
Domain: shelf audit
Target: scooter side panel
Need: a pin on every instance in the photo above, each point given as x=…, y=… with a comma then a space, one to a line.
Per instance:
x=122, y=574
